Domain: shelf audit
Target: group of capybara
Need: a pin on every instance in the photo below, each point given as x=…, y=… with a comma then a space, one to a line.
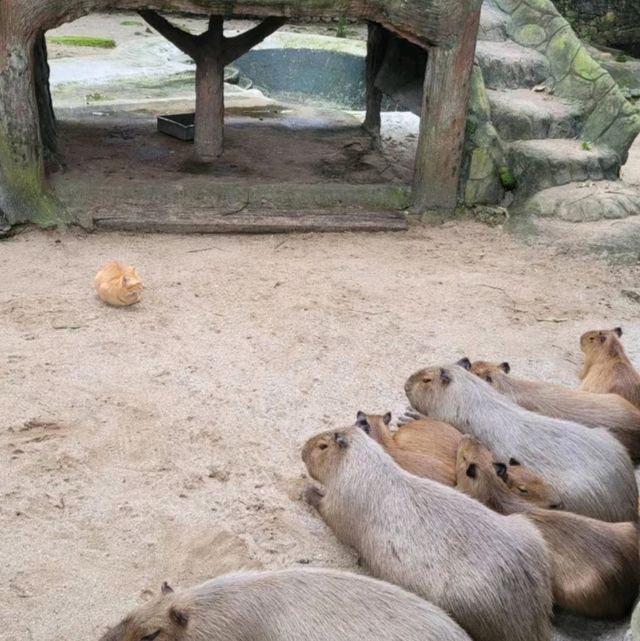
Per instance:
x=495, y=500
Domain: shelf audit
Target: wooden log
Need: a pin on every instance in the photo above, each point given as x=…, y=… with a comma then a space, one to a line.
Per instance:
x=444, y=116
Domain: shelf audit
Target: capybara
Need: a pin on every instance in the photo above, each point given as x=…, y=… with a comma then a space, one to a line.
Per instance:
x=288, y=605
x=607, y=369
x=428, y=448
x=589, y=468
x=490, y=572
x=610, y=411
x=595, y=565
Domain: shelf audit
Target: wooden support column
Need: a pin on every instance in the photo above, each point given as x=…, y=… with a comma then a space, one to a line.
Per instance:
x=376, y=48
x=444, y=117
x=209, y=121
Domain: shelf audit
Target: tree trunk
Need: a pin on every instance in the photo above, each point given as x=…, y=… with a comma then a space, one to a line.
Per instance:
x=24, y=195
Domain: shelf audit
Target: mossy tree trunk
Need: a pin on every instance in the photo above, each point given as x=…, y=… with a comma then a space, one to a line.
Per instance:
x=24, y=195
x=211, y=51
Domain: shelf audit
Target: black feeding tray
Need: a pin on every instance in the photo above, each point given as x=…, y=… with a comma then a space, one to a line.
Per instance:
x=181, y=126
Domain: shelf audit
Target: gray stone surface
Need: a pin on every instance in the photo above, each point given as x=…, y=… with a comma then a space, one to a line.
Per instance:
x=522, y=114
x=542, y=131
x=572, y=628
x=511, y=66
x=540, y=164
x=585, y=202
x=493, y=23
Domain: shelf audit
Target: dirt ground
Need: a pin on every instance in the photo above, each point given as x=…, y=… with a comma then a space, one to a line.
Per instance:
x=163, y=441
x=277, y=143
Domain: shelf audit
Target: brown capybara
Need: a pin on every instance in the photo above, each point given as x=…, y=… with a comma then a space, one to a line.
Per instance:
x=428, y=448
x=490, y=572
x=610, y=411
x=288, y=605
x=595, y=565
x=607, y=369
x=589, y=468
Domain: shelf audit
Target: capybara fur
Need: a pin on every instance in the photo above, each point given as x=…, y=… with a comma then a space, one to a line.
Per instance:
x=595, y=565
x=610, y=411
x=490, y=572
x=589, y=468
x=428, y=448
x=288, y=605
x=607, y=369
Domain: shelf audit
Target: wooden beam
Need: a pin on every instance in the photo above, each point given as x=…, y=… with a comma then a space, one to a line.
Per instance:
x=443, y=122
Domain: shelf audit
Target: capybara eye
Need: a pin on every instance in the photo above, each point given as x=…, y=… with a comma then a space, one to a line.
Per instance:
x=472, y=470
x=323, y=446
x=426, y=380
x=488, y=379
x=151, y=637
x=522, y=489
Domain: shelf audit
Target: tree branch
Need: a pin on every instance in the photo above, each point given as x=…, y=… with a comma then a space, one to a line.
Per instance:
x=186, y=42
x=239, y=45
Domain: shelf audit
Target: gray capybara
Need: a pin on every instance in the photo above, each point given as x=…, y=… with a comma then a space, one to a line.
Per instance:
x=589, y=468
x=288, y=605
x=490, y=572
x=610, y=411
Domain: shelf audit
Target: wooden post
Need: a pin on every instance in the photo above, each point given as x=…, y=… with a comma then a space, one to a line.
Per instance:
x=209, y=129
x=443, y=122
x=376, y=48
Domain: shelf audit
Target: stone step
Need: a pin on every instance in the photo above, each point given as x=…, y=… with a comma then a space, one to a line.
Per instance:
x=541, y=164
x=523, y=114
x=507, y=65
x=493, y=23
x=586, y=202
x=253, y=222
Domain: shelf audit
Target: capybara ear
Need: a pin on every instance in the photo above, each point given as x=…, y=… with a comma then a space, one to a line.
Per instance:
x=618, y=331
x=514, y=461
x=505, y=367
x=464, y=362
x=501, y=470
x=472, y=470
x=386, y=419
x=445, y=377
x=166, y=588
x=341, y=440
x=179, y=617
x=361, y=416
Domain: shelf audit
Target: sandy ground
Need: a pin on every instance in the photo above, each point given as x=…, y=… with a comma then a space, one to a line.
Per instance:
x=162, y=441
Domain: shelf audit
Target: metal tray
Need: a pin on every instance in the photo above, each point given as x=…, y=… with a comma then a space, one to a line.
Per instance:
x=179, y=126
